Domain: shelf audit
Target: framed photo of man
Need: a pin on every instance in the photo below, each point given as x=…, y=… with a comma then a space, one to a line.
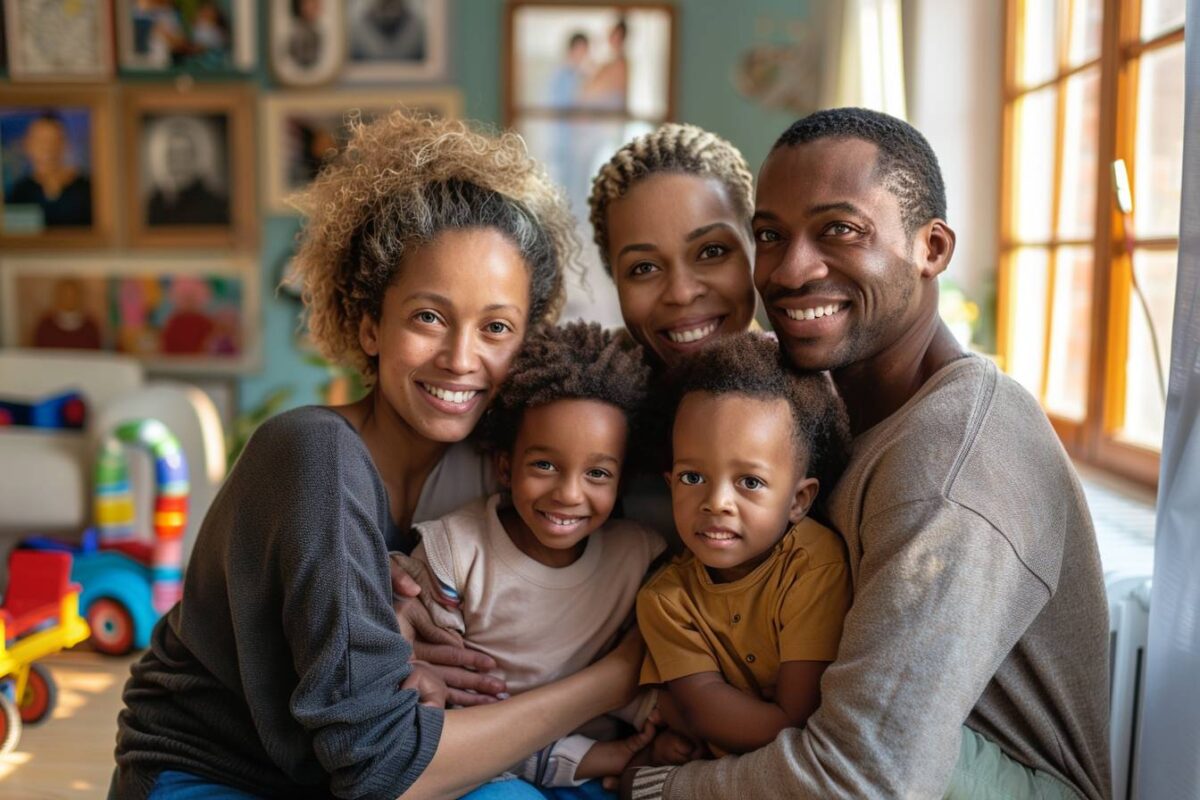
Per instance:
x=189, y=166
x=583, y=78
x=308, y=41
x=300, y=131
x=395, y=40
x=194, y=315
x=187, y=36
x=56, y=157
x=52, y=40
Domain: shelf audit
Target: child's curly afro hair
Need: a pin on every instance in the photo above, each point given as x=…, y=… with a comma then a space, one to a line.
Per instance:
x=751, y=365
x=577, y=361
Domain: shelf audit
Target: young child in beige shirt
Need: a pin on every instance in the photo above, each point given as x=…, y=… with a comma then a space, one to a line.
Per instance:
x=541, y=579
x=740, y=628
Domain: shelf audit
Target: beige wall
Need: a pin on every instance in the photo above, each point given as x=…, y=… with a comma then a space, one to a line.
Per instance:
x=954, y=55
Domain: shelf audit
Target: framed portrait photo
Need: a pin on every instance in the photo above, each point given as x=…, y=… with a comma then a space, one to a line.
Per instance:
x=187, y=36
x=59, y=40
x=308, y=41
x=582, y=80
x=395, y=40
x=189, y=166
x=184, y=315
x=56, y=157
x=301, y=130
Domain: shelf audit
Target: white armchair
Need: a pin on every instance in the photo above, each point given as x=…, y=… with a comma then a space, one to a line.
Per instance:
x=46, y=475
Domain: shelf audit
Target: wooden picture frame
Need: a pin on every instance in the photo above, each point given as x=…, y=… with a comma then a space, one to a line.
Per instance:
x=581, y=80
x=188, y=316
x=79, y=121
x=395, y=51
x=59, y=41
x=190, y=40
x=294, y=125
x=304, y=50
x=189, y=166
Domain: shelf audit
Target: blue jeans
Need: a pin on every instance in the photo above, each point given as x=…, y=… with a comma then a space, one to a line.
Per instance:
x=175, y=785
x=517, y=789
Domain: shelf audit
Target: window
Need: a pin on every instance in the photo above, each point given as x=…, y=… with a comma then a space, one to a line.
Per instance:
x=1088, y=82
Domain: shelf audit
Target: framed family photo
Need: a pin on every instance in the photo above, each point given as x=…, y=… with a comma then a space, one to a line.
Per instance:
x=395, y=40
x=301, y=130
x=189, y=166
x=583, y=79
x=188, y=36
x=308, y=41
x=53, y=40
x=56, y=167
x=186, y=315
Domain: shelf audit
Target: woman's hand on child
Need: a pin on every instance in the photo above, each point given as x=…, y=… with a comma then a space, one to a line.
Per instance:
x=461, y=669
x=430, y=688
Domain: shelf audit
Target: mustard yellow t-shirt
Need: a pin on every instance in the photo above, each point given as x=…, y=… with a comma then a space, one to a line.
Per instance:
x=790, y=608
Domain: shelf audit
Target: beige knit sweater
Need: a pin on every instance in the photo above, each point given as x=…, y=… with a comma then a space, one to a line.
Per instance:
x=978, y=599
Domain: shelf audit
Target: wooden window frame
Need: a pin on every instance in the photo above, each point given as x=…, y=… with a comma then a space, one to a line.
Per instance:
x=1093, y=439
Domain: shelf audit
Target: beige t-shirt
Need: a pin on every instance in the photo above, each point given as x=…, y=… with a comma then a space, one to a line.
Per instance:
x=539, y=623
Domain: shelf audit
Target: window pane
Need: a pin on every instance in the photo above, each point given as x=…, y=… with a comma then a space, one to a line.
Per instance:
x=1158, y=157
x=1033, y=158
x=1144, y=408
x=1027, y=317
x=1077, y=208
x=1086, y=27
x=1160, y=16
x=1039, y=42
x=1070, y=333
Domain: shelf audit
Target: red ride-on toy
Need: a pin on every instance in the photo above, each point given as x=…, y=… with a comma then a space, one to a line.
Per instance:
x=39, y=617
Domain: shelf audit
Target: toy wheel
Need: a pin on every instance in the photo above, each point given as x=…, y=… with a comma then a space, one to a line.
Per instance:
x=40, y=695
x=112, y=627
x=10, y=725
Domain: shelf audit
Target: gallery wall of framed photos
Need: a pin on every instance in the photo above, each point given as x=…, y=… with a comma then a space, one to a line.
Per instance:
x=159, y=76
x=147, y=148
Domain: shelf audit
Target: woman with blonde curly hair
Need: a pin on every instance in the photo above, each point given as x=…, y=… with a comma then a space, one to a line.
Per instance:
x=429, y=251
x=671, y=214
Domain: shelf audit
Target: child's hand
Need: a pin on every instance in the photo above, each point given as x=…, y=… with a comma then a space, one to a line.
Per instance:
x=672, y=747
x=430, y=688
x=607, y=759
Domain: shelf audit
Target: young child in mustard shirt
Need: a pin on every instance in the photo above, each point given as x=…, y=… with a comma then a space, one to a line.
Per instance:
x=741, y=627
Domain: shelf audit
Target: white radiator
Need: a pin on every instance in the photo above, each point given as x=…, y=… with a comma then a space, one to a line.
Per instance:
x=1128, y=620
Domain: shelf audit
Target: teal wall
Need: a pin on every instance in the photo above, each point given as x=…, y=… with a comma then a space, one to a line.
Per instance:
x=711, y=36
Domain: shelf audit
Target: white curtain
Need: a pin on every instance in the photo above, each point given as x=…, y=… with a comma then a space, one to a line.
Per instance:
x=865, y=67
x=1169, y=751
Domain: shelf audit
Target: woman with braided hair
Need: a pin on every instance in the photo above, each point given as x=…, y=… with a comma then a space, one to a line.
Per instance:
x=671, y=216
x=430, y=250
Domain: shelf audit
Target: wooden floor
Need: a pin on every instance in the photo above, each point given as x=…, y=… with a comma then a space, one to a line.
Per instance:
x=70, y=755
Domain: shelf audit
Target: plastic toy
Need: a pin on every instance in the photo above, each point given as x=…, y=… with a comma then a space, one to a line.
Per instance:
x=39, y=617
x=128, y=583
x=66, y=410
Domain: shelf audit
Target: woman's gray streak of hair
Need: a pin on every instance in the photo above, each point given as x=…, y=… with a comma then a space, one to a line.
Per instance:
x=409, y=221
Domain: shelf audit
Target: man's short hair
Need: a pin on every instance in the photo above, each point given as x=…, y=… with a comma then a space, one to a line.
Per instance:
x=906, y=164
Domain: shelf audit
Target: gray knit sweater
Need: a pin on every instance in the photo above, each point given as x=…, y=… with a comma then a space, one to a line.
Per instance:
x=279, y=671
x=978, y=599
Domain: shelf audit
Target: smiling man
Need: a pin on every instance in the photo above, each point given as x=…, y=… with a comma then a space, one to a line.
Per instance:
x=974, y=660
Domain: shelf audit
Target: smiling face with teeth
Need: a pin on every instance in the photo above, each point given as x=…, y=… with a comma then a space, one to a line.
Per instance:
x=737, y=482
x=449, y=326
x=563, y=473
x=841, y=277
x=681, y=259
